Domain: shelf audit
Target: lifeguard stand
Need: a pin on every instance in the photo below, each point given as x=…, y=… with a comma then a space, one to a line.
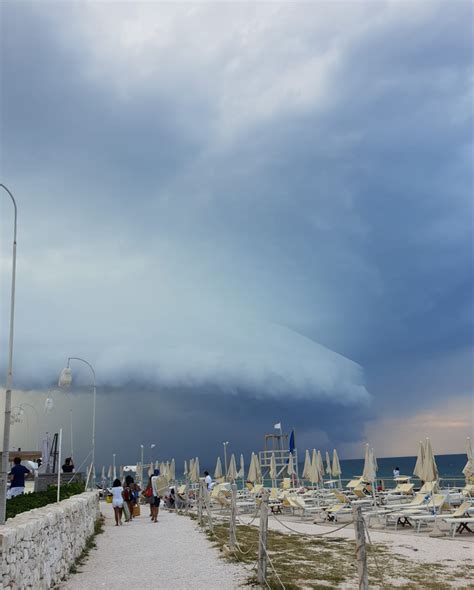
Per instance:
x=277, y=444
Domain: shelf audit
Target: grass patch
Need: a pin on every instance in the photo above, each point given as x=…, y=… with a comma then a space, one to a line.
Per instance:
x=314, y=563
x=26, y=502
x=90, y=544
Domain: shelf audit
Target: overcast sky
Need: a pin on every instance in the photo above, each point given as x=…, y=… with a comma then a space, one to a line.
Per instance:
x=242, y=214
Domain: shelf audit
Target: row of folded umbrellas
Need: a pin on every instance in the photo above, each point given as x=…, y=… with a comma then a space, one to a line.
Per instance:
x=313, y=471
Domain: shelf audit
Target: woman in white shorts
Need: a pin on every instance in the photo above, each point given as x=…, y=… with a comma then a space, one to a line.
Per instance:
x=117, y=501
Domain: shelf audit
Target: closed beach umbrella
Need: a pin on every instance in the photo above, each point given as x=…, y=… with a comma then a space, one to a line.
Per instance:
x=258, y=469
x=291, y=467
x=468, y=470
x=430, y=470
x=374, y=459
x=232, y=471
x=241, y=473
x=172, y=470
x=102, y=477
x=369, y=468
x=110, y=473
x=157, y=465
x=252, y=474
x=121, y=472
x=185, y=468
x=218, y=469
x=328, y=464
x=197, y=469
x=336, y=467
x=307, y=466
x=150, y=470
x=320, y=465
x=273, y=470
x=162, y=468
x=314, y=476
x=418, y=470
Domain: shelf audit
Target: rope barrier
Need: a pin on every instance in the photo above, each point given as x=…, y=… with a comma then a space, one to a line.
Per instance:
x=311, y=534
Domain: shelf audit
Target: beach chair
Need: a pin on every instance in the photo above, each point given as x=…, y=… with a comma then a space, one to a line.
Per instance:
x=408, y=516
x=460, y=519
x=429, y=487
x=298, y=503
x=362, y=497
x=354, y=483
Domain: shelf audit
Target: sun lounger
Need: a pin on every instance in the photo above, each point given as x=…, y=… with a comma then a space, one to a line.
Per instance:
x=354, y=483
x=460, y=519
x=429, y=487
x=405, y=517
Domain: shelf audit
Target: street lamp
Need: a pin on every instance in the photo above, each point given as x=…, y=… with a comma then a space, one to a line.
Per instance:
x=9, y=382
x=17, y=418
x=65, y=381
x=225, y=458
x=49, y=406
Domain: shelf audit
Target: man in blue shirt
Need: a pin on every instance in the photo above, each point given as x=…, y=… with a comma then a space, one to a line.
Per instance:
x=17, y=474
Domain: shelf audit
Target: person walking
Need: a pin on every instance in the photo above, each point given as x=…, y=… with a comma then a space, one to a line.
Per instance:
x=155, y=506
x=18, y=474
x=117, y=501
x=128, y=495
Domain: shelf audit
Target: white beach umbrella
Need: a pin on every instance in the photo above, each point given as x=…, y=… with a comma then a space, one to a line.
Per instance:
x=121, y=472
x=430, y=470
x=315, y=475
x=258, y=468
x=291, y=467
x=172, y=470
x=328, y=464
x=468, y=470
x=307, y=466
x=241, y=473
x=374, y=459
x=218, y=469
x=418, y=470
x=369, y=472
x=320, y=465
x=110, y=473
x=336, y=466
x=273, y=470
x=185, y=468
x=150, y=470
x=252, y=474
x=232, y=470
x=162, y=468
x=102, y=476
x=157, y=464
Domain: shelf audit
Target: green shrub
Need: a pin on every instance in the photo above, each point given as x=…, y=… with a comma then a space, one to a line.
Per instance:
x=27, y=502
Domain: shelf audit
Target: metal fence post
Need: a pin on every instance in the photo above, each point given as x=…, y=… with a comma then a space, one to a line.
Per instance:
x=199, y=502
x=361, y=552
x=233, y=516
x=262, y=545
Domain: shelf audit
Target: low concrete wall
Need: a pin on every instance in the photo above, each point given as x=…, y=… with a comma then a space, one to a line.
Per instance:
x=38, y=547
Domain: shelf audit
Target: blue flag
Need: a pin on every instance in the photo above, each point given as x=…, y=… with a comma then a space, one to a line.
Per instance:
x=292, y=441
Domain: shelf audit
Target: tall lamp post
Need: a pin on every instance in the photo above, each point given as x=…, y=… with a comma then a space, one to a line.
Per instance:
x=225, y=443
x=48, y=407
x=17, y=418
x=9, y=381
x=65, y=380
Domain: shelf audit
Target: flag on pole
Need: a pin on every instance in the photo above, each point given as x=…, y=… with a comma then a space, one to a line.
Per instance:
x=277, y=426
x=292, y=441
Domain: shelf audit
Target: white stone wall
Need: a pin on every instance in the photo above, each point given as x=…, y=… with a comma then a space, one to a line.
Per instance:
x=38, y=547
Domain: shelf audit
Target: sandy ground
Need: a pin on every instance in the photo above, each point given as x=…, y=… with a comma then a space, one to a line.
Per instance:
x=170, y=554
x=418, y=547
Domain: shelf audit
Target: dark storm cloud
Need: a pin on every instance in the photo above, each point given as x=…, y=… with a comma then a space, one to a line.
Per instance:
x=181, y=196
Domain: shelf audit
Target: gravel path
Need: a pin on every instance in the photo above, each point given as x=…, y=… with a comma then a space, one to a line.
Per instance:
x=170, y=554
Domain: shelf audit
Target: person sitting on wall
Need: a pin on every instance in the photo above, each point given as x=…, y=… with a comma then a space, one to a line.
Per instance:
x=17, y=474
x=68, y=466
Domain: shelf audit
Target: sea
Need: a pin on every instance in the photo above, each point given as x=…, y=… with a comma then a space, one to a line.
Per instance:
x=449, y=468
